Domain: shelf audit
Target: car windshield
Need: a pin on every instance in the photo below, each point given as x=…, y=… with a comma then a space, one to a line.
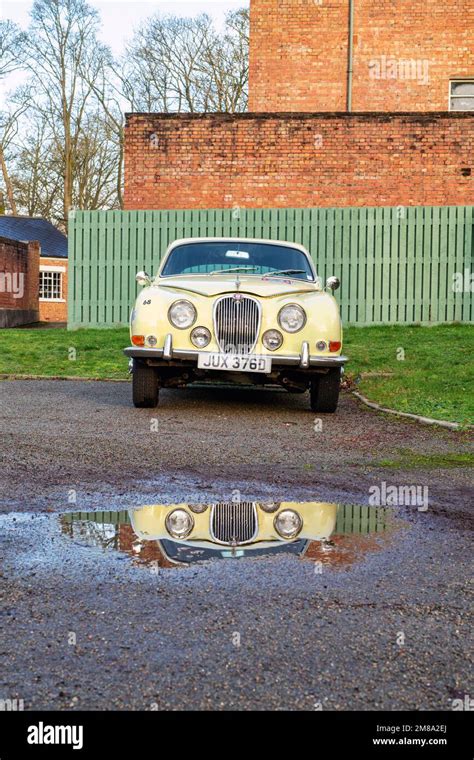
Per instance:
x=233, y=256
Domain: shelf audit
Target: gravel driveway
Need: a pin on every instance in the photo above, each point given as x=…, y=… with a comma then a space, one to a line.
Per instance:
x=89, y=629
x=203, y=443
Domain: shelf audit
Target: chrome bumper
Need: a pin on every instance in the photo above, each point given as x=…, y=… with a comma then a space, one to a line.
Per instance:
x=303, y=360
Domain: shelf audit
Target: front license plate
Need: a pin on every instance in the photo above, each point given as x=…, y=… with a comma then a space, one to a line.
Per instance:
x=235, y=363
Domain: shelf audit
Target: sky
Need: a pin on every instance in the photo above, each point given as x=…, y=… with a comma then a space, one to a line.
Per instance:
x=120, y=17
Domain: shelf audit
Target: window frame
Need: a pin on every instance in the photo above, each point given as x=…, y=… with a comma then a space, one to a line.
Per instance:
x=51, y=269
x=459, y=80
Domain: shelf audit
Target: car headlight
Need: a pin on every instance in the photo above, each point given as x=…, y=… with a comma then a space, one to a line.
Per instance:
x=179, y=523
x=182, y=314
x=288, y=523
x=292, y=318
x=200, y=337
x=272, y=339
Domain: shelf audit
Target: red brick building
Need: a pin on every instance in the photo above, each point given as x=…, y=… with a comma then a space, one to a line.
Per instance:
x=395, y=55
x=369, y=108
x=19, y=267
x=51, y=277
x=298, y=160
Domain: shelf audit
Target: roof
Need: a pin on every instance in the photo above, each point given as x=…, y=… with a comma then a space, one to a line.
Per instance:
x=52, y=241
x=187, y=241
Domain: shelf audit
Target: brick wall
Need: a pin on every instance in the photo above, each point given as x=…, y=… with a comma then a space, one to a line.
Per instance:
x=277, y=160
x=405, y=53
x=19, y=265
x=54, y=311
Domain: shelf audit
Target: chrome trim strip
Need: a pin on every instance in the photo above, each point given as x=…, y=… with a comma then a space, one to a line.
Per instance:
x=168, y=347
x=327, y=361
x=277, y=359
x=304, y=363
x=146, y=353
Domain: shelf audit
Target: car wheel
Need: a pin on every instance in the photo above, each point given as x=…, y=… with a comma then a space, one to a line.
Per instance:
x=324, y=391
x=144, y=386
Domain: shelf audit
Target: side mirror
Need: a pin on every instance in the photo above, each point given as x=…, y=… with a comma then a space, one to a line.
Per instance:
x=333, y=283
x=143, y=279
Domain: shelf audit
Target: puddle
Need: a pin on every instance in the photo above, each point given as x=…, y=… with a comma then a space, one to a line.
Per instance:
x=336, y=535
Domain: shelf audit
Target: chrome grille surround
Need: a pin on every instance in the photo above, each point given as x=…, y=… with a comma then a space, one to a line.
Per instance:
x=234, y=523
x=237, y=320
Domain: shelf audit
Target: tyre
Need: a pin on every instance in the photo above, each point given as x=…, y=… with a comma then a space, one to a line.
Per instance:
x=324, y=391
x=144, y=386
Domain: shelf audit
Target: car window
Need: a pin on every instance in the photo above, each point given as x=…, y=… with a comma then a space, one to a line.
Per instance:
x=246, y=258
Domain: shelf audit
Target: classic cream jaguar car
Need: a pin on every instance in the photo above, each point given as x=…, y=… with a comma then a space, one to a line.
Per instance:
x=240, y=310
x=233, y=529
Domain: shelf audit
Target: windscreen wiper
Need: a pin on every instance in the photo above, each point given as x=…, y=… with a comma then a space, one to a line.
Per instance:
x=233, y=269
x=285, y=271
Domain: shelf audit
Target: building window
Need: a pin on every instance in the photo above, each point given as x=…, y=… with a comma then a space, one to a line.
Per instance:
x=50, y=285
x=461, y=95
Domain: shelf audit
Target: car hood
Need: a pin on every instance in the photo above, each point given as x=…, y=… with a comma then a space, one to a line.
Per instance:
x=265, y=287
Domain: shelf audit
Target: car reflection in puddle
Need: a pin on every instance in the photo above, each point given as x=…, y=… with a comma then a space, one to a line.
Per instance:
x=179, y=534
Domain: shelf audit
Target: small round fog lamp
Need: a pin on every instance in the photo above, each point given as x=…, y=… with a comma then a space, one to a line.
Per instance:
x=198, y=508
x=200, y=337
x=272, y=339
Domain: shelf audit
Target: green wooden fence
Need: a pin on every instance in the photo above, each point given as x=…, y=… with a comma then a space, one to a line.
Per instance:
x=396, y=264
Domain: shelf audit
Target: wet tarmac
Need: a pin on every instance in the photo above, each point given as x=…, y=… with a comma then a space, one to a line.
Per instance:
x=101, y=609
x=99, y=615
x=202, y=444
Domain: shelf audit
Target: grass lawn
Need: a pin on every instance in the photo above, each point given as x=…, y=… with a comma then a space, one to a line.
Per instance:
x=435, y=377
x=47, y=352
x=423, y=370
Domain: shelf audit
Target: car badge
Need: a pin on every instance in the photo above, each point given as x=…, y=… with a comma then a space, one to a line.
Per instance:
x=237, y=297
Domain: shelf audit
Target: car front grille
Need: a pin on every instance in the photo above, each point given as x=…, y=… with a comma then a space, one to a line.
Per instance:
x=237, y=323
x=234, y=522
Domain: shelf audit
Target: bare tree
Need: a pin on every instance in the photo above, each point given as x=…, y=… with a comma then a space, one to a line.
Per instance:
x=38, y=177
x=62, y=134
x=109, y=85
x=60, y=43
x=97, y=160
x=10, y=47
x=10, y=60
x=225, y=62
x=164, y=69
x=9, y=127
x=176, y=64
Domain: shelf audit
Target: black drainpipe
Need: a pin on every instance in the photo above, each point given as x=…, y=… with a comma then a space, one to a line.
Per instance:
x=350, y=56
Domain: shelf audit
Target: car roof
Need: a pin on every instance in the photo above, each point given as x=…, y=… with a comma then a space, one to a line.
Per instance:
x=184, y=241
